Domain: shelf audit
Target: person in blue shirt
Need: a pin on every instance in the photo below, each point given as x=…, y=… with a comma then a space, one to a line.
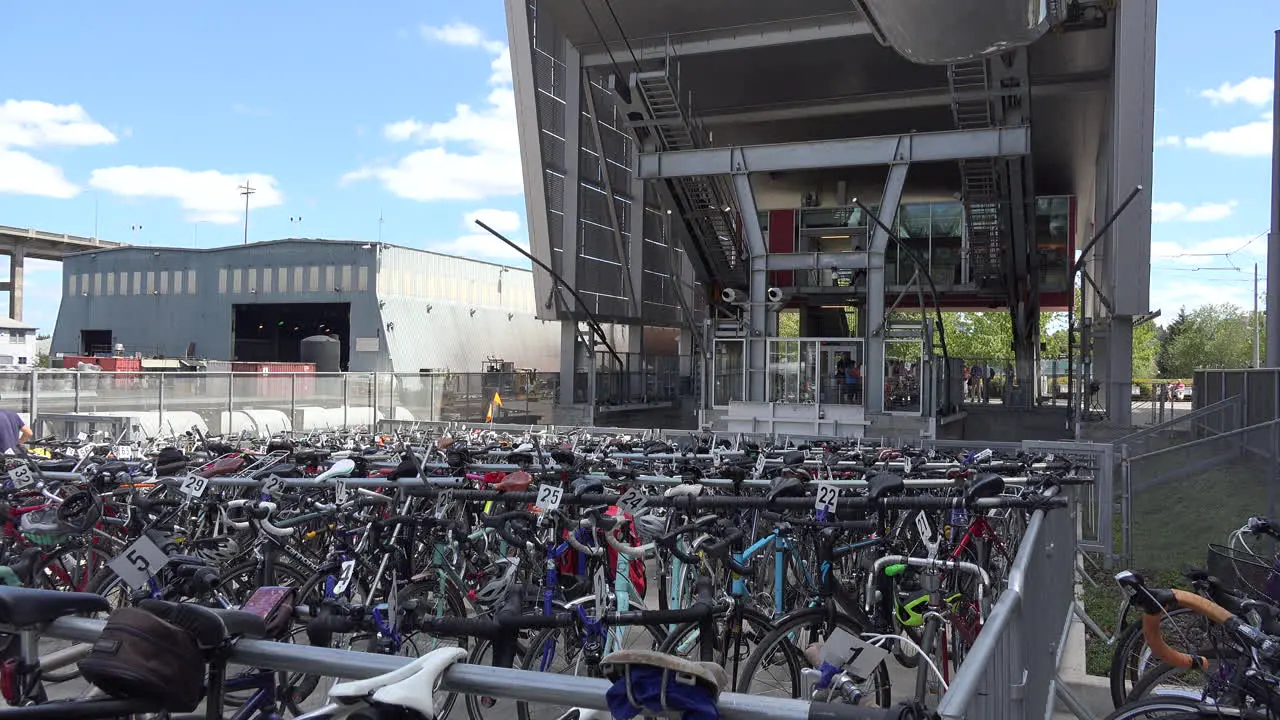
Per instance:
x=13, y=432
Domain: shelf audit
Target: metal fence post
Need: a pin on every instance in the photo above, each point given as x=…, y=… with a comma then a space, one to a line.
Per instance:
x=1275, y=468
x=160, y=399
x=375, y=377
x=345, y=403
x=293, y=399
x=1126, y=509
x=33, y=397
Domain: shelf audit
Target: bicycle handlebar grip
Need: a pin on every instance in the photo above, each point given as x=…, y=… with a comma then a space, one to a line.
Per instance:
x=501, y=523
x=669, y=543
x=1155, y=638
x=459, y=627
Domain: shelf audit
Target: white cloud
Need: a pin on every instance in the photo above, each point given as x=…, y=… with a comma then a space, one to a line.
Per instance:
x=1253, y=91
x=1168, y=141
x=22, y=174
x=1204, y=212
x=34, y=124
x=1173, y=290
x=1248, y=140
x=481, y=245
x=471, y=156
x=461, y=35
x=206, y=195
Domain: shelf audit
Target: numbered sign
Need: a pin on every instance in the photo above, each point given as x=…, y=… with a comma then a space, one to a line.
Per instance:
x=393, y=603
x=859, y=659
x=124, y=452
x=759, y=468
x=922, y=525
x=273, y=484
x=632, y=501
x=139, y=562
x=194, y=486
x=549, y=497
x=82, y=437
x=340, y=490
x=827, y=499
x=346, y=571
x=1049, y=458
x=22, y=477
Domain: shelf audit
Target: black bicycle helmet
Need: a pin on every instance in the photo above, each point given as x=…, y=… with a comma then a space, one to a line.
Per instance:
x=80, y=511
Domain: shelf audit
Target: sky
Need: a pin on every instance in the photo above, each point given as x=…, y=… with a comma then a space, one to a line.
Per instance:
x=140, y=121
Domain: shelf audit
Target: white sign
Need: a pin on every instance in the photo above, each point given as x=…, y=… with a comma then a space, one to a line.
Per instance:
x=549, y=497
x=22, y=477
x=367, y=344
x=124, y=452
x=393, y=607
x=858, y=658
x=923, y=527
x=139, y=562
x=82, y=437
x=273, y=484
x=827, y=499
x=631, y=502
x=759, y=468
x=194, y=486
x=345, y=572
x=340, y=490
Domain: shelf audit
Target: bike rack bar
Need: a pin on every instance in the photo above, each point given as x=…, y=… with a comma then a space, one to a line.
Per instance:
x=469, y=679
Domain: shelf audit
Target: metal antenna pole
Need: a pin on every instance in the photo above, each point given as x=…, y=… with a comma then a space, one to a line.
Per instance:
x=1273, y=240
x=246, y=191
x=379, y=226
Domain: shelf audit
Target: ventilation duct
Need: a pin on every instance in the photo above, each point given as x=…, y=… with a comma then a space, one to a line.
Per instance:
x=941, y=32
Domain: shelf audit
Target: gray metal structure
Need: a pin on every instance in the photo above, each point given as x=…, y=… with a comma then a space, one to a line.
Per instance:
x=703, y=116
x=409, y=309
x=22, y=243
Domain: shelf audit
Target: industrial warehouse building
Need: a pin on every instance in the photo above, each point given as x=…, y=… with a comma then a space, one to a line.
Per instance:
x=392, y=308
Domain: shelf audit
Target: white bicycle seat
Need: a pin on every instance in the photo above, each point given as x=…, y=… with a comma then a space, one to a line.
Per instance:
x=411, y=686
x=683, y=490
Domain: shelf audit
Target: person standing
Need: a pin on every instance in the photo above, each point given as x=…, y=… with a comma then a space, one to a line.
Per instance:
x=13, y=432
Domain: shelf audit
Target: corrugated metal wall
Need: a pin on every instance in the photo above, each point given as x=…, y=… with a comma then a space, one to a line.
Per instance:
x=157, y=301
x=448, y=313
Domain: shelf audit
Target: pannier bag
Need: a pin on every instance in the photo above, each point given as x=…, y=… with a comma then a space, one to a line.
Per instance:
x=141, y=657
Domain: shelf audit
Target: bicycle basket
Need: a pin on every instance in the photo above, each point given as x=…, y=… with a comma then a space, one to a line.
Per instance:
x=1244, y=573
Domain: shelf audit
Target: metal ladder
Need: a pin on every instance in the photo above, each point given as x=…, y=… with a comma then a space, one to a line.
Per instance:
x=706, y=199
x=971, y=110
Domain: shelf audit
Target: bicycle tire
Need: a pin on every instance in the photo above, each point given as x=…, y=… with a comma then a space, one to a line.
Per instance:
x=1168, y=708
x=882, y=689
x=760, y=626
x=1122, y=673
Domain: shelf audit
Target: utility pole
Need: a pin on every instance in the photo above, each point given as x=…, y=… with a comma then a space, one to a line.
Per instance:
x=246, y=191
x=1273, y=240
x=1257, y=327
x=379, y=226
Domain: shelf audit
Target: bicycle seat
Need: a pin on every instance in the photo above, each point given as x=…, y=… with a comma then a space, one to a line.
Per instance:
x=786, y=486
x=209, y=627
x=517, y=481
x=403, y=687
x=710, y=675
x=24, y=607
x=587, y=484
x=986, y=485
x=883, y=485
x=795, y=457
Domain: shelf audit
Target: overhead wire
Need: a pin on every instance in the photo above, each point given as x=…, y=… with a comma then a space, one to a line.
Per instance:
x=609, y=6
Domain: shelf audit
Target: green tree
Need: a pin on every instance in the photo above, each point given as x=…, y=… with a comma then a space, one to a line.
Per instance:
x=1164, y=356
x=1212, y=336
x=1146, y=346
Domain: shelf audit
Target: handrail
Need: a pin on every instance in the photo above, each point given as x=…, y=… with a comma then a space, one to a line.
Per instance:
x=1129, y=439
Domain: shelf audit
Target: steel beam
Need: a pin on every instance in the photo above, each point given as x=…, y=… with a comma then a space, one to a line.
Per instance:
x=873, y=352
x=888, y=101
x=741, y=37
x=883, y=150
x=823, y=261
x=758, y=320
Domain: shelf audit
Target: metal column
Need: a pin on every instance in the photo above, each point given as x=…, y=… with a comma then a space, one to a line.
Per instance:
x=873, y=353
x=16, y=265
x=757, y=308
x=569, y=232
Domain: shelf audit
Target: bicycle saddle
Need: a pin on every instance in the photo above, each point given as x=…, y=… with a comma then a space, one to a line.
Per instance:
x=786, y=486
x=411, y=686
x=24, y=607
x=795, y=457
x=986, y=485
x=883, y=485
x=587, y=484
x=517, y=481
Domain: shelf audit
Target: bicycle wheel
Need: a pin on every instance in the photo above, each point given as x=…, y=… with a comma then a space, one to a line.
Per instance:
x=1132, y=657
x=779, y=658
x=1168, y=708
x=732, y=648
x=1164, y=680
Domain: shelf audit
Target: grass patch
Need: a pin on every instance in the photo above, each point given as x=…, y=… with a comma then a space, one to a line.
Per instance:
x=1173, y=524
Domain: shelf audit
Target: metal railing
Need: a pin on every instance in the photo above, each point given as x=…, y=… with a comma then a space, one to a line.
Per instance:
x=156, y=404
x=1012, y=669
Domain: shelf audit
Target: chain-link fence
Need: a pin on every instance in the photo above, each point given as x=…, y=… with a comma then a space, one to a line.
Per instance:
x=164, y=403
x=1192, y=481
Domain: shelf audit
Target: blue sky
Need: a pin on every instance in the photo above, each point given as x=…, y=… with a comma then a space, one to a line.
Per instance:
x=143, y=114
